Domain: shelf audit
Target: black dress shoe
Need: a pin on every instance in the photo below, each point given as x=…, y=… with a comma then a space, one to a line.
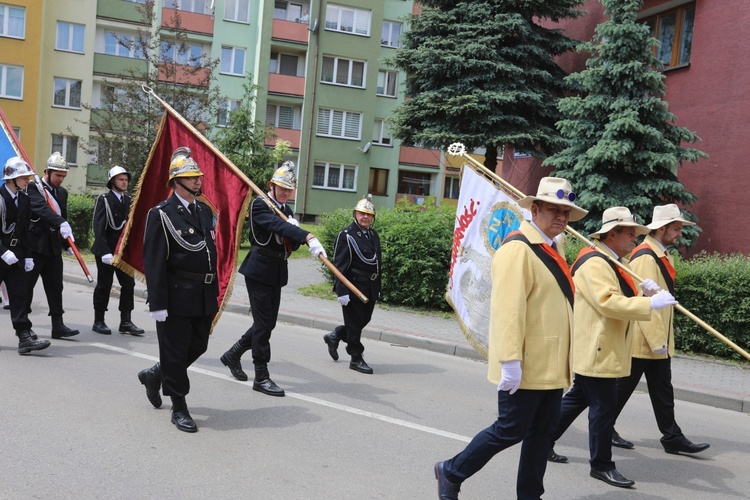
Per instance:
x=446, y=489
x=181, y=416
x=620, y=442
x=151, y=379
x=130, y=328
x=268, y=386
x=333, y=344
x=683, y=445
x=358, y=364
x=101, y=327
x=612, y=477
x=555, y=458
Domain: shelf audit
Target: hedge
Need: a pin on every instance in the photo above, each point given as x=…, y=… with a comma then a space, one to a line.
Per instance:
x=80, y=217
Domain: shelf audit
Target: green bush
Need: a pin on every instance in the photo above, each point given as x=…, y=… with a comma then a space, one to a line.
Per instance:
x=416, y=242
x=80, y=217
x=716, y=289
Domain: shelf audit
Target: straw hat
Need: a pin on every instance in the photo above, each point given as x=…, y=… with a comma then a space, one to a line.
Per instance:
x=557, y=191
x=665, y=214
x=618, y=216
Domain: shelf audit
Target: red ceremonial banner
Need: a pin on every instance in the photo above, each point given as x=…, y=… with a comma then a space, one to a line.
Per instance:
x=225, y=189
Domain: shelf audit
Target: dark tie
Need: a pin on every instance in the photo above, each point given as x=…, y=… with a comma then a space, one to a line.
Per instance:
x=193, y=211
x=554, y=245
x=54, y=193
x=15, y=200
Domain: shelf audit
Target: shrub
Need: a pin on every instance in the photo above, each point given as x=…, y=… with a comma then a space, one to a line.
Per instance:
x=80, y=217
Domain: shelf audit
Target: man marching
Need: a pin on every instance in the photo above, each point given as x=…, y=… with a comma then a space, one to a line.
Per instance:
x=110, y=215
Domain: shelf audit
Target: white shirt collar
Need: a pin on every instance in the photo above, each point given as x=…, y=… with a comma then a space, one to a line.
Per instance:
x=547, y=239
x=185, y=203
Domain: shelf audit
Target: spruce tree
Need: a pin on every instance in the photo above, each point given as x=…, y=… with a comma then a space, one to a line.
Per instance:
x=623, y=145
x=482, y=72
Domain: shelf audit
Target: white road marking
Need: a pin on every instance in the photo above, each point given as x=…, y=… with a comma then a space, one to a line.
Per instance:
x=309, y=399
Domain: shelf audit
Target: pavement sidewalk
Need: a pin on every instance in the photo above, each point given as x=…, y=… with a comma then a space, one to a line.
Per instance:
x=698, y=380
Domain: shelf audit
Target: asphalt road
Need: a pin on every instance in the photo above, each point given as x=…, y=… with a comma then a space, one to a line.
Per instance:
x=75, y=423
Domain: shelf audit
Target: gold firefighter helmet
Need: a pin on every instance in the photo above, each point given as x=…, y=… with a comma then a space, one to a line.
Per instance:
x=114, y=172
x=284, y=176
x=182, y=165
x=56, y=162
x=15, y=167
x=365, y=205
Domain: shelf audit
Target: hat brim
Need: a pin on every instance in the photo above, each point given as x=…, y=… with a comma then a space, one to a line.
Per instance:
x=640, y=230
x=576, y=212
x=661, y=223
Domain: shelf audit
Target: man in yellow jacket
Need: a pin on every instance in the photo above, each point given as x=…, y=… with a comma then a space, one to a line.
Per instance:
x=653, y=343
x=531, y=321
x=607, y=304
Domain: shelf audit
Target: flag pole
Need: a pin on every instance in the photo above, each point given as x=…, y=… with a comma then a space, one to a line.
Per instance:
x=458, y=149
x=43, y=192
x=254, y=187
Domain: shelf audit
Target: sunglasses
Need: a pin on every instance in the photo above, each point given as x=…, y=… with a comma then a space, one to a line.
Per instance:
x=562, y=194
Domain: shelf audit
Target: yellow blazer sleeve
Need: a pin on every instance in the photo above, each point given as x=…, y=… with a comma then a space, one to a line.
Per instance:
x=600, y=288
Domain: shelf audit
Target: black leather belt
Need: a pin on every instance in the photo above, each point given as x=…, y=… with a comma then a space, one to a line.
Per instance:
x=268, y=253
x=366, y=274
x=207, y=279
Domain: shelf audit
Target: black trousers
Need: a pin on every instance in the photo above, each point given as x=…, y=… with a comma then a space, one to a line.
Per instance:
x=182, y=340
x=599, y=395
x=104, y=276
x=357, y=315
x=264, y=302
x=50, y=268
x=15, y=282
x=659, y=380
x=528, y=416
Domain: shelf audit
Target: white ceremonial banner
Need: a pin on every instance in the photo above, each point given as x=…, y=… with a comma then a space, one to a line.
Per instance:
x=485, y=215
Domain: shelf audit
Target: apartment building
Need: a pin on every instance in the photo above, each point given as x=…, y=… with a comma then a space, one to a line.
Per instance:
x=319, y=64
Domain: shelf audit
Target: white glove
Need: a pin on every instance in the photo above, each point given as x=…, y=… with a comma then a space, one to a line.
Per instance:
x=107, y=259
x=344, y=300
x=65, y=231
x=662, y=300
x=661, y=351
x=28, y=264
x=160, y=315
x=292, y=221
x=649, y=287
x=316, y=248
x=70, y=251
x=9, y=257
x=511, y=376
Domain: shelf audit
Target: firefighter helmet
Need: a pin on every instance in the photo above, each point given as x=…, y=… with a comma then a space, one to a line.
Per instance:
x=15, y=167
x=56, y=162
x=284, y=176
x=365, y=205
x=182, y=165
x=114, y=172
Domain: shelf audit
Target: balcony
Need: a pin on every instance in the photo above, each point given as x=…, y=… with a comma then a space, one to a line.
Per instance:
x=180, y=73
x=408, y=155
x=96, y=175
x=190, y=21
x=105, y=64
x=290, y=31
x=119, y=11
x=293, y=136
x=286, y=85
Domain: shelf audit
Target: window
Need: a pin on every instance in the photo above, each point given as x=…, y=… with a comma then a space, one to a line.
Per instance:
x=335, y=176
x=380, y=134
x=11, y=81
x=415, y=183
x=181, y=53
x=391, y=34
x=347, y=19
x=112, y=98
x=387, y=83
x=110, y=152
x=343, y=72
x=197, y=6
x=451, y=188
x=70, y=37
x=12, y=21
x=378, y=182
x=237, y=10
x=674, y=30
x=282, y=116
x=67, y=93
x=335, y=123
x=67, y=146
x=233, y=61
x=287, y=11
x=122, y=45
x=225, y=109
x=285, y=64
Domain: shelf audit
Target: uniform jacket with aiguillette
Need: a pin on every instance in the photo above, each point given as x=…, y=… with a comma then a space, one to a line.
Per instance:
x=359, y=259
x=110, y=216
x=272, y=240
x=45, y=222
x=174, y=242
x=14, y=224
